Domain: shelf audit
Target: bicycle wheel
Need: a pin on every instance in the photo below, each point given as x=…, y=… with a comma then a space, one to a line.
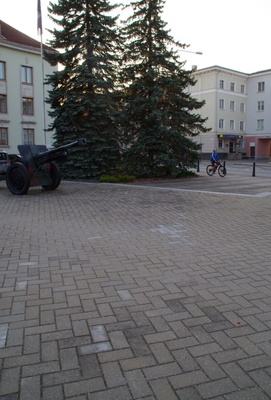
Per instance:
x=209, y=170
x=222, y=170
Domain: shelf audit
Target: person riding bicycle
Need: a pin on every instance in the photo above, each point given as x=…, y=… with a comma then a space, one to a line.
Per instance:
x=215, y=160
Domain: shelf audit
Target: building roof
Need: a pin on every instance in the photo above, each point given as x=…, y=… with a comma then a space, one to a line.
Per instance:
x=12, y=36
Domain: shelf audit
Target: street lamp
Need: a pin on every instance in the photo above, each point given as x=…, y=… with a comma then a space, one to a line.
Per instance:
x=193, y=52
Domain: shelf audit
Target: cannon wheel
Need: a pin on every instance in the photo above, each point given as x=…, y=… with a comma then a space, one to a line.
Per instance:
x=18, y=178
x=55, y=175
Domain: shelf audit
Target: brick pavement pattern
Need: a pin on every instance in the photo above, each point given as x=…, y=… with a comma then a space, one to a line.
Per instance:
x=126, y=292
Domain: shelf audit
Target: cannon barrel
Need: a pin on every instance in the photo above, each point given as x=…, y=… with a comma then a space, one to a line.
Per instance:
x=56, y=154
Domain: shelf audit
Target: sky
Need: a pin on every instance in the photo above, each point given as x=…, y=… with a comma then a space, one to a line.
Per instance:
x=234, y=34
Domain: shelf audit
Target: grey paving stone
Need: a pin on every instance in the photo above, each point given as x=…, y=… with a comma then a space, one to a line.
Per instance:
x=116, y=291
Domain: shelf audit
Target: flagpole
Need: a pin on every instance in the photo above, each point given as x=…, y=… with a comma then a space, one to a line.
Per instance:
x=43, y=89
x=39, y=25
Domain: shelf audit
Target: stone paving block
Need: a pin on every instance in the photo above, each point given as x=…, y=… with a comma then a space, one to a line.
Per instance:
x=185, y=360
x=68, y=359
x=30, y=388
x=237, y=375
x=163, y=390
x=187, y=379
x=61, y=377
x=216, y=388
x=80, y=328
x=138, y=384
x=257, y=362
x=161, y=353
x=209, y=348
x=22, y=360
x=210, y=367
x=84, y=386
x=40, y=369
x=113, y=375
x=121, y=393
x=54, y=392
x=49, y=351
x=10, y=381
x=246, y=344
x=253, y=393
x=135, y=363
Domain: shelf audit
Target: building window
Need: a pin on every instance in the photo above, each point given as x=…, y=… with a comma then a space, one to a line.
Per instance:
x=232, y=105
x=27, y=75
x=221, y=84
x=28, y=136
x=4, y=136
x=3, y=103
x=242, y=126
x=260, y=105
x=260, y=124
x=232, y=125
x=220, y=143
x=242, y=88
x=28, y=106
x=221, y=123
x=261, y=86
x=2, y=70
x=221, y=104
x=242, y=107
x=232, y=87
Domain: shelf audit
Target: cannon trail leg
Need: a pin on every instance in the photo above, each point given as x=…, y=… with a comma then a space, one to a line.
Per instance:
x=18, y=178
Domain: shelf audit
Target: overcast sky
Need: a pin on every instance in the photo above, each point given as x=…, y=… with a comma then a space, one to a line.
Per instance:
x=233, y=34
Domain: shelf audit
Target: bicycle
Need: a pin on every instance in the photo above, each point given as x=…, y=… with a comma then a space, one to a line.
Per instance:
x=221, y=169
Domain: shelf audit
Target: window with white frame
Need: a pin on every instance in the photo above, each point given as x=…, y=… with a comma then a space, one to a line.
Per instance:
x=232, y=105
x=242, y=107
x=220, y=143
x=221, y=104
x=260, y=124
x=261, y=86
x=27, y=75
x=242, y=88
x=232, y=125
x=232, y=86
x=4, y=136
x=3, y=103
x=261, y=105
x=221, y=123
x=242, y=125
x=2, y=70
x=221, y=84
x=28, y=136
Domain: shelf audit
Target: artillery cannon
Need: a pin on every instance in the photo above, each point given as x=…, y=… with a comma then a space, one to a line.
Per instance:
x=36, y=167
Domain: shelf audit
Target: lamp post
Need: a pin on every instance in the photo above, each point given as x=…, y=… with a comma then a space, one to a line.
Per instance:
x=193, y=52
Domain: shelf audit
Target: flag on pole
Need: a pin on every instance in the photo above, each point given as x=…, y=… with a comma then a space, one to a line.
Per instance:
x=39, y=19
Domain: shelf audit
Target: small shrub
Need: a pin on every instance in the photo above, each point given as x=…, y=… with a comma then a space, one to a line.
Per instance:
x=116, y=179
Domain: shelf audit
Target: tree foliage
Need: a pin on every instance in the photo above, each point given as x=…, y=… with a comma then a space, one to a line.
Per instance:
x=159, y=115
x=82, y=98
x=126, y=91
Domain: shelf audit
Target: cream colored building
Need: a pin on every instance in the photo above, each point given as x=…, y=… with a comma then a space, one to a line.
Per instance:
x=237, y=106
x=23, y=112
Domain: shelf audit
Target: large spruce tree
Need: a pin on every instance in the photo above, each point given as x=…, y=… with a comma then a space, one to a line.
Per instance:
x=159, y=115
x=82, y=96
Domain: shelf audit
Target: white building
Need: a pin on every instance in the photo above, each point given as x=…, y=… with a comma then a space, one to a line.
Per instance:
x=238, y=111
x=23, y=113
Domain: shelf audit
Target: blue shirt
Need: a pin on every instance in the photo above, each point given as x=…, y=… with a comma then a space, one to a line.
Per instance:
x=214, y=157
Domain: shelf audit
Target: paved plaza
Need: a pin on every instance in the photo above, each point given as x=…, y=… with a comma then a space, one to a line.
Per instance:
x=149, y=291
